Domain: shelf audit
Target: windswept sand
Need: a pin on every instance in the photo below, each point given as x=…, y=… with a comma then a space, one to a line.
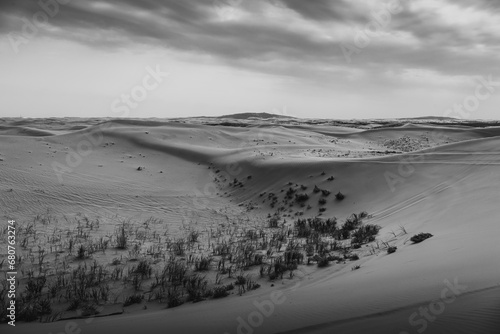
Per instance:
x=442, y=179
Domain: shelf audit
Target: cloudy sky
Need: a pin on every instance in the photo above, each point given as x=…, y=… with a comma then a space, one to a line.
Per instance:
x=305, y=58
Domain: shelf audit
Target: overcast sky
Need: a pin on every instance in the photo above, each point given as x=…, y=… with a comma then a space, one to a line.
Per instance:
x=304, y=58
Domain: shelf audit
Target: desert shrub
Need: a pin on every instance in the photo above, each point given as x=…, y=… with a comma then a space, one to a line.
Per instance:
x=322, y=209
x=339, y=196
x=28, y=312
x=34, y=287
x=293, y=256
x=174, y=297
x=351, y=223
x=81, y=253
x=303, y=229
x=420, y=237
x=356, y=267
x=175, y=271
x=136, y=282
x=391, y=249
x=365, y=233
x=178, y=247
x=354, y=257
x=323, y=262
x=203, y=263
x=33, y=309
x=252, y=235
x=325, y=192
x=44, y=307
x=335, y=258
x=4, y=303
x=328, y=226
x=219, y=292
x=342, y=233
x=193, y=236
x=273, y=222
x=143, y=269
x=74, y=304
x=363, y=214
x=196, y=288
x=134, y=299
x=309, y=248
x=290, y=193
x=257, y=259
x=316, y=189
x=240, y=280
x=88, y=310
x=278, y=269
x=252, y=285
x=301, y=198
x=121, y=237
x=331, y=178
x=322, y=201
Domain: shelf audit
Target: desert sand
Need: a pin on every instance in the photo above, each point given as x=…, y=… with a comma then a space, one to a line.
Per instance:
x=436, y=176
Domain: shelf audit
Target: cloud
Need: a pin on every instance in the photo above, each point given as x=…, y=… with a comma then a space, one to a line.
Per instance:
x=447, y=38
x=325, y=10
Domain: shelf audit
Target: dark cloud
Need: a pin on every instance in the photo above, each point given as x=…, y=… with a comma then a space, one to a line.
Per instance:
x=324, y=10
x=197, y=26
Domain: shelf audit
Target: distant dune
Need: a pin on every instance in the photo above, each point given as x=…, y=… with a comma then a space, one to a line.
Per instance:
x=262, y=115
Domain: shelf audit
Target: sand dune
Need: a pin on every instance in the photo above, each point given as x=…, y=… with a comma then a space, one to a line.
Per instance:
x=446, y=184
x=23, y=131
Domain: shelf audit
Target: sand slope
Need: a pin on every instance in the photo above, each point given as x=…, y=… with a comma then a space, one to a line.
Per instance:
x=448, y=189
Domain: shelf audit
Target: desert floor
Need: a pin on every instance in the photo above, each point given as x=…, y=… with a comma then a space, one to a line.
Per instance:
x=224, y=180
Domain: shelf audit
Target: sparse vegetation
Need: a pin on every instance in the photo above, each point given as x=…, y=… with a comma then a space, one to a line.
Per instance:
x=323, y=262
x=155, y=266
x=220, y=292
x=134, y=299
x=420, y=237
x=121, y=237
x=300, y=198
x=325, y=192
x=273, y=222
x=391, y=249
